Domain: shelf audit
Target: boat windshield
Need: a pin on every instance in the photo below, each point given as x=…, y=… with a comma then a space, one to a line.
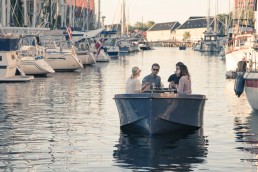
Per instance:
x=9, y=44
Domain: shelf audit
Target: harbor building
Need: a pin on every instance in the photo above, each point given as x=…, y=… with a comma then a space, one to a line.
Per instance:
x=163, y=31
x=195, y=26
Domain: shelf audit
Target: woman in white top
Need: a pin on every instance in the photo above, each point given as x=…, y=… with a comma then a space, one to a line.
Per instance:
x=184, y=85
x=133, y=84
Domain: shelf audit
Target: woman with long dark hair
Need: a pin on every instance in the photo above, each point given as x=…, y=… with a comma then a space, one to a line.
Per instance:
x=184, y=86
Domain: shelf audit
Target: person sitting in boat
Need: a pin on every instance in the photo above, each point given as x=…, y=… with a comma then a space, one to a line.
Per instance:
x=152, y=80
x=184, y=85
x=133, y=84
x=174, y=78
x=241, y=65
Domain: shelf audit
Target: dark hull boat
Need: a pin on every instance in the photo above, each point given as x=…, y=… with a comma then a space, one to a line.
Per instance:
x=182, y=47
x=160, y=113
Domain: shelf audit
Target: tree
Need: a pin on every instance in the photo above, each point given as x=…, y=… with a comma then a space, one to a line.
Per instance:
x=143, y=26
x=149, y=24
x=186, y=35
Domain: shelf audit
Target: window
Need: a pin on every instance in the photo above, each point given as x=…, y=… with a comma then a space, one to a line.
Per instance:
x=0, y=58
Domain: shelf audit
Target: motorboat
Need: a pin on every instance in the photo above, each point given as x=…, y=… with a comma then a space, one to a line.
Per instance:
x=32, y=56
x=144, y=45
x=9, y=60
x=60, y=53
x=84, y=52
x=182, y=47
x=160, y=112
x=111, y=48
x=211, y=42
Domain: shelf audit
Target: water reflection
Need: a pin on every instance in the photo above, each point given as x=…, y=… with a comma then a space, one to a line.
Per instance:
x=170, y=152
x=246, y=131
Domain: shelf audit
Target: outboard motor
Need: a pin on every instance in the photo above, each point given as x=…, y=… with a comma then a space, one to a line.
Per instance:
x=239, y=85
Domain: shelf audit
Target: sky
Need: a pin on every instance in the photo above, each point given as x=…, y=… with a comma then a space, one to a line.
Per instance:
x=162, y=10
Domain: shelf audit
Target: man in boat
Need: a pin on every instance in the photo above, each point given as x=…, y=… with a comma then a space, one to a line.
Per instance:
x=152, y=80
x=174, y=78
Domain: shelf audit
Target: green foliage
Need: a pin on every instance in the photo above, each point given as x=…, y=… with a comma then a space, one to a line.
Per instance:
x=186, y=35
x=142, y=26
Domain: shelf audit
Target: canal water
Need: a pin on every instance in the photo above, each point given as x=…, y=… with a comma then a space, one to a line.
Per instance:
x=69, y=121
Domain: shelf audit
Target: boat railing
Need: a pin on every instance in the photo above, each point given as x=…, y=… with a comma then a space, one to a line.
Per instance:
x=251, y=61
x=161, y=90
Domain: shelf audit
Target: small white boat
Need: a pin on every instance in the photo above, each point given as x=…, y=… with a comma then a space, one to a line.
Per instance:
x=84, y=53
x=9, y=60
x=31, y=57
x=144, y=45
x=60, y=57
x=60, y=54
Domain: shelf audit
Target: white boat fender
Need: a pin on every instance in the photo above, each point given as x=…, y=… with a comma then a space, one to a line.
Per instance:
x=239, y=85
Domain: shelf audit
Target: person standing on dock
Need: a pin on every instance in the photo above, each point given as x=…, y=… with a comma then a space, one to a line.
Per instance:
x=174, y=78
x=152, y=80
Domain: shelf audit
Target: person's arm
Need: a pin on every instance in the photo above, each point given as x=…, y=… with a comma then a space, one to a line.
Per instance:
x=138, y=87
x=181, y=84
x=159, y=82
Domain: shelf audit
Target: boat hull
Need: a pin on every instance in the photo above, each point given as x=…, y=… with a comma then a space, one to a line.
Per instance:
x=159, y=113
x=63, y=61
x=35, y=67
x=86, y=58
x=251, y=88
x=182, y=48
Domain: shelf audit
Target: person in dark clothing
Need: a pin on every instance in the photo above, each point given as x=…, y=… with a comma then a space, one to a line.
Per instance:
x=174, y=78
x=241, y=66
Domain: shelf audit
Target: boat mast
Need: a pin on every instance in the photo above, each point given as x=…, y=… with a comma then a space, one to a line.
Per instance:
x=88, y=15
x=73, y=14
x=34, y=13
x=8, y=12
x=70, y=13
x=99, y=14
x=25, y=12
x=215, y=18
x=208, y=17
x=256, y=16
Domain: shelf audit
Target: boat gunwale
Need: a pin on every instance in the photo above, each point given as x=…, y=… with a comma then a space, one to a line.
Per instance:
x=159, y=96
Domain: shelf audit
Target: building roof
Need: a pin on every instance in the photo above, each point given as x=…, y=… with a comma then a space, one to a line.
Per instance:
x=195, y=22
x=165, y=26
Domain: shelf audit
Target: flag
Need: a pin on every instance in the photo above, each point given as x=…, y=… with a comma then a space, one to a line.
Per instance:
x=69, y=32
x=98, y=45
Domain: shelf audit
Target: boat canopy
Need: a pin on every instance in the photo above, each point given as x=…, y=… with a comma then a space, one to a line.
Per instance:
x=9, y=44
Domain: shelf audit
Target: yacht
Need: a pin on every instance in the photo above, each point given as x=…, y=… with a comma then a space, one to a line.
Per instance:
x=32, y=56
x=60, y=54
x=9, y=60
x=84, y=52
x=144, y=45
